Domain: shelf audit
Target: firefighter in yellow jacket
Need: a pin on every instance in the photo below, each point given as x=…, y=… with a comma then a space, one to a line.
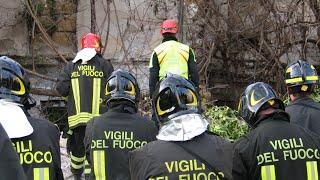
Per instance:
x=172, y=57
x=82, y=81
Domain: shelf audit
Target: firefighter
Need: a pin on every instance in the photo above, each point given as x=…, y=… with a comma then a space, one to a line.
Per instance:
x=183, y=149
x=273, y=148
x=301, y=78
x=82, y=83
x=171, y=57
x=36, y=141
x=110, y=137
x=10, y=167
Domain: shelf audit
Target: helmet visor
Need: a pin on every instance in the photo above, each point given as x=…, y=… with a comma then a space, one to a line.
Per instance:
x=111, y=85
x=124, y=85
x=166, y=102
x=12, y=83
x=187, y=97
x=127, y=86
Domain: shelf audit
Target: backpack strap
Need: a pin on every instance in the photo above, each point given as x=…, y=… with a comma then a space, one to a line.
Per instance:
x=203, y=160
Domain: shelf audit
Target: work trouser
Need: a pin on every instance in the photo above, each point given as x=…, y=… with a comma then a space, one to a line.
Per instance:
x=77, y=150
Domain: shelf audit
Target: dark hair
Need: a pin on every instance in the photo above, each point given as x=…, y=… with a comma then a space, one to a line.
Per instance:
x=296, y=90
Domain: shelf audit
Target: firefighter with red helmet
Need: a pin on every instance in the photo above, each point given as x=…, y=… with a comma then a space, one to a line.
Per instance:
x=172, y=57
x=82, y=82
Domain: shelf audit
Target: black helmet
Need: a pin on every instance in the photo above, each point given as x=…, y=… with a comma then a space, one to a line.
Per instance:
x=175, y=96
x=254, y=98
x=14, y=83
x=122, y=85
x=301, y=73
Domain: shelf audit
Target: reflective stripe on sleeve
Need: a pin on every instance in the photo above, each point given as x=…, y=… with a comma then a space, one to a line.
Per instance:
x=76, y=166
x=82, y=117
x=268, y=173
x=78, y=159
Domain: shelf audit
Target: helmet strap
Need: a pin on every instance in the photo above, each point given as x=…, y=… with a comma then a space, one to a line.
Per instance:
x=28, y=102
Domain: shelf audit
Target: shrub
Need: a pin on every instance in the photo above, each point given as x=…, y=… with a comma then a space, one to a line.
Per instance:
x=224, y=122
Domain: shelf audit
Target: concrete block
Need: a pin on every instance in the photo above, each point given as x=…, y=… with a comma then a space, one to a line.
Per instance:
x=64, y=38
x=66, y=23
x=66, y=7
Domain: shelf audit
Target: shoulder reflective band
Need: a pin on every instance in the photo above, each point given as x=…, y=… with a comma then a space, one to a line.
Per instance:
x=96, y=96
x=312, y=170
x=76, y=94
x=41, y=173
x=268, y=173
x=99, y=165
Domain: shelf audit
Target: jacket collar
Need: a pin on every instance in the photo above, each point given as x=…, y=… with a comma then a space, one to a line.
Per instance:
x=122, y=107
x=301, y=99
x=278, y=115
x=169, y=38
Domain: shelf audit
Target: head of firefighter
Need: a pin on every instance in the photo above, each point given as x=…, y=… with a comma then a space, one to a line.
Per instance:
x=14, y=83
x=301, y=78
x=175, y=96
x=91, y=40
x=257, y=102
x=122, y=88
x=169, y=28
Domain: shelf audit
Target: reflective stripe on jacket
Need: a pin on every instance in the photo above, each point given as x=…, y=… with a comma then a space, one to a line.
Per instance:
x=84, y=86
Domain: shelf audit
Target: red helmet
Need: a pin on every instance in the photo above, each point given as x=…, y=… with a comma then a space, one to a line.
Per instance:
x=91, y=40
x=169, y=26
